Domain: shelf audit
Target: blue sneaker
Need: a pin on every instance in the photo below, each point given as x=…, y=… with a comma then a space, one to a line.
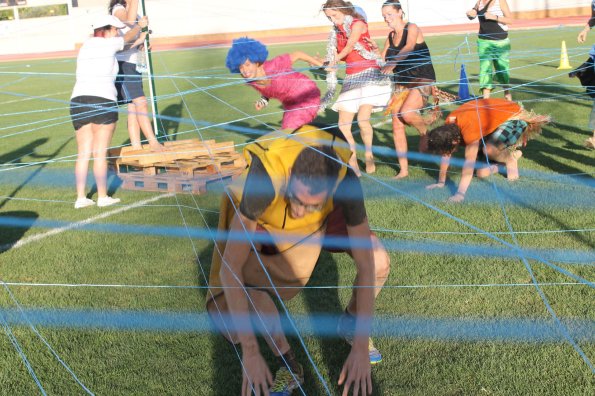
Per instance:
x=346, y=328
x=286, y=382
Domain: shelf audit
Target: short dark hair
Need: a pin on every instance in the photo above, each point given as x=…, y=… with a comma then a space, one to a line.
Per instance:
x=444, y=139
x=317, y=167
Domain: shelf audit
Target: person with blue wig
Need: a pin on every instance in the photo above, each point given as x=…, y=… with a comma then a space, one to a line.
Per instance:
x=276, y=79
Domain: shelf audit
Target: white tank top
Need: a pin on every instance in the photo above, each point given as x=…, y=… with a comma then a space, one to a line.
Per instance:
x=128, y=54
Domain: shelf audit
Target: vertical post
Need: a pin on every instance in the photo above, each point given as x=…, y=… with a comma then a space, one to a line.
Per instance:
x=158, y=131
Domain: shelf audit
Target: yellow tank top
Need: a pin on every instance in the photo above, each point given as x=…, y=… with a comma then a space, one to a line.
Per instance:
x=278, y=152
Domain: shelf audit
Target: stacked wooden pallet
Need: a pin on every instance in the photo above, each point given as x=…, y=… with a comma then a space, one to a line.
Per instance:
x=191, y=166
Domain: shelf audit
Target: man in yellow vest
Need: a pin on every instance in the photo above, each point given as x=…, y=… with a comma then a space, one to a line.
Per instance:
x=295, y=194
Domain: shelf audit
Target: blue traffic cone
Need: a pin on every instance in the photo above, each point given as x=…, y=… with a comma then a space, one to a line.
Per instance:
x=464, y=85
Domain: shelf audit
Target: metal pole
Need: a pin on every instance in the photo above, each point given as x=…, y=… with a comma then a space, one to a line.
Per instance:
x=158, y=131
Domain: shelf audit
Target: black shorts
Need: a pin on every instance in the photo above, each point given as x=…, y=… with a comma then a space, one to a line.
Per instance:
x=129, y=83
x=92, y=110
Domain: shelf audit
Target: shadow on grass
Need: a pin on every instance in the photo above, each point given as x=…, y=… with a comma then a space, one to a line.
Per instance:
x=323, y=301
x=226, y=373
x=9, y=234
x=28, y=149
x=171, y=124
x=557, y=158
x=25, y=151
x=114, y=183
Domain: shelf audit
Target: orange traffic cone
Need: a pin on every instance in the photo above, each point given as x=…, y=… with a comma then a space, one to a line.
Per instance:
x=564, y=63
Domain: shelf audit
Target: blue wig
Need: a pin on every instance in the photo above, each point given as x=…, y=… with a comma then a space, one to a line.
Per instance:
x=242, y=49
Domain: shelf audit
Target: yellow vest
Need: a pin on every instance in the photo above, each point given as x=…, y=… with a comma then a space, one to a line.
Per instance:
x=278, y=152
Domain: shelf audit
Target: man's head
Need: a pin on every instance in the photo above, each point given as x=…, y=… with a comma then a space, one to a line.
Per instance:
x=444, y=139
x=244, y=50
x=313, y=178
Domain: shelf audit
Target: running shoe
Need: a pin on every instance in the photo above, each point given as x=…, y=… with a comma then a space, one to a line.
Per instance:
x=286, y=382
x=107, y=201
x=83, y=203
x=346, y=329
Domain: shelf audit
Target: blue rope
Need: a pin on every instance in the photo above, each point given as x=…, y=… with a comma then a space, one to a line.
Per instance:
x=24, y=314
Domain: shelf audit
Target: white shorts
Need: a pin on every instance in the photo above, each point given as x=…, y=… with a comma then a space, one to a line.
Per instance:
x=373, y=94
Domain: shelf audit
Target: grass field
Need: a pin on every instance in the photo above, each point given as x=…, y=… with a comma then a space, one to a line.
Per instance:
x=459, y=315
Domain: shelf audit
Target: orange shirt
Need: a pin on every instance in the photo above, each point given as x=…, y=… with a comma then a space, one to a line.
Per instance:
x=482, y=117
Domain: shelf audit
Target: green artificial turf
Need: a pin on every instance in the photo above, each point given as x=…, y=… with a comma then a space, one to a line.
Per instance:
x=103, y=269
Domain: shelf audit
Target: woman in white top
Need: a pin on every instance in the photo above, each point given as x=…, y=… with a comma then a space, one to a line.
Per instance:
x=93, y=106
x=129, y=82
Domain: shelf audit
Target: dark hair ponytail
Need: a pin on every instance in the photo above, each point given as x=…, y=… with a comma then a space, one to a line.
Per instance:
x=113, y=3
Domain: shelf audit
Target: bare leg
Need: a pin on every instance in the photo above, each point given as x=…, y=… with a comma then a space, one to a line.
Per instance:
x=102, y=136
x=486, y=93
x=84, y=141
x=507, y=94
x=345, y=121
x=365, y=127
x=410, y=116
x=274, y=336
x=506, y=156
x=512, y=167
x=133, y=127
x=382, y=268
x=144, y=122
x=400, y=141
x=590, y=142
x=277, y=341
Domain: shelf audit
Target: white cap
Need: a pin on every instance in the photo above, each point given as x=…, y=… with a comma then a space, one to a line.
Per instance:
x=107, y=20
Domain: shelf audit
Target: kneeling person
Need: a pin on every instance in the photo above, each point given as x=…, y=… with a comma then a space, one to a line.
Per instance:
x=296, y=191
x=502, y=125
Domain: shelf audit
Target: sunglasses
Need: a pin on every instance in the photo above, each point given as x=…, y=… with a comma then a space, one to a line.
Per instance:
x=293, y=200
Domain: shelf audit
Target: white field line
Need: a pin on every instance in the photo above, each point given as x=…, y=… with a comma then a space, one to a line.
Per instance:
x=72, y=226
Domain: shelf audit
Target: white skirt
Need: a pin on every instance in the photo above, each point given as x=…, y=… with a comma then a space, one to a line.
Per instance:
x=373, y=94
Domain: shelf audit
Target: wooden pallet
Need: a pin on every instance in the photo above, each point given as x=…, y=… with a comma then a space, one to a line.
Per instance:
x=169, y=183
x=174, y=151
x=184, y=166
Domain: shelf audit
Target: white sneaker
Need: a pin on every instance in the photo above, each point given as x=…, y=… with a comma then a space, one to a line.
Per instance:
x=107, y=201
x=83, y=203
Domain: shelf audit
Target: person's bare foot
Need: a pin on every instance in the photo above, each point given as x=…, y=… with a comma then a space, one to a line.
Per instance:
x=590, y=143
x=401, y=175
x=370, y=165
x=487, y=171
x=156, y=146
x=353, y=164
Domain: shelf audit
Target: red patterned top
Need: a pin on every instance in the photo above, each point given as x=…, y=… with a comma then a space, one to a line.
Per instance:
x=355, y=62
